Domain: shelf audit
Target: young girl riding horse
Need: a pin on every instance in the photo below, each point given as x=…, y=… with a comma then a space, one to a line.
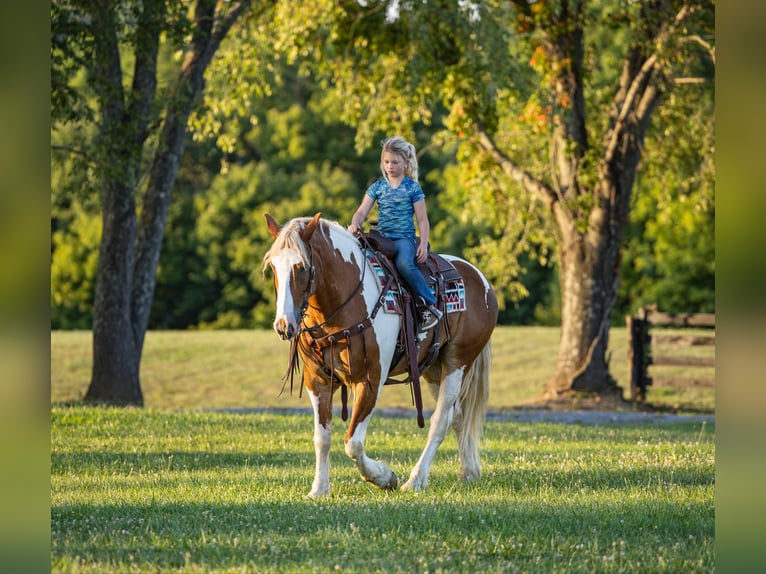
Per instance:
x=399, y=196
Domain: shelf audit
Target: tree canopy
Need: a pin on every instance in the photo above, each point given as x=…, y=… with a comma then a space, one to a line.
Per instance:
x=566, y=148
x=264, y=131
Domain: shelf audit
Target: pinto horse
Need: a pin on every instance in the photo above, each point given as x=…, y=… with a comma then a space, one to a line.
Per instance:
x=328, y=300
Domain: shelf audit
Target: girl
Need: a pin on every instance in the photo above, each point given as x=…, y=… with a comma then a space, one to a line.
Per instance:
x=399, y=196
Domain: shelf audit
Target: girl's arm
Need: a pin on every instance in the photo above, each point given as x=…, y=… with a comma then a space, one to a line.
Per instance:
x=424, y=228
x=361, y=213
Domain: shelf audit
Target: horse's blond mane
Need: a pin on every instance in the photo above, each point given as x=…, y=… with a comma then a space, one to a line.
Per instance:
x=289, y=238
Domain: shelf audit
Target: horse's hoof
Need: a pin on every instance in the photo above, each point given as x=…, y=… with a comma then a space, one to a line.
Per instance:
x=415, y=485
x=393, y=482
x=317, y=495
x=473, y=476
x=390, y=484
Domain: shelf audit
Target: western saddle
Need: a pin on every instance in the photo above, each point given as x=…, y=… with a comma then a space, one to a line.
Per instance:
x=437, y=271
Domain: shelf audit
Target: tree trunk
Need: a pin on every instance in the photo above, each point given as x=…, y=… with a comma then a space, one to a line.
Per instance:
x=590, y=259
x=151, y=228
x=129, y=253
x=589, y=269
x=115, y=362
x=115, y=377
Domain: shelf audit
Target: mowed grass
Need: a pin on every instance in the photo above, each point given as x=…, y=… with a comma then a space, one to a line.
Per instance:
x=148, y=490
x=241, y=369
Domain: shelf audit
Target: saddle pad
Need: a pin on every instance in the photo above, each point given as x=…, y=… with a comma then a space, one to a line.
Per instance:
x=454, y=295
x=391, y=302
x=454, y=289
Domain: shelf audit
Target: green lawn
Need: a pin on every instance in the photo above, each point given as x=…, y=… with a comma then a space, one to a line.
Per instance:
x=219, y=369
x=155, y=490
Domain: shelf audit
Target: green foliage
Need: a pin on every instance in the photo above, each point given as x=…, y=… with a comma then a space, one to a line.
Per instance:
x=69, y=45
x=75, y=213
x=158, y=491
x=505, y=234
x=297, y=100
x=282, y=161
x=669, y=257
x=73, y=271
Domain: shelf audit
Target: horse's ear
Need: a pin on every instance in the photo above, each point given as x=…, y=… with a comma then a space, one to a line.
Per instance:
x=310, y=228
x=272, y=225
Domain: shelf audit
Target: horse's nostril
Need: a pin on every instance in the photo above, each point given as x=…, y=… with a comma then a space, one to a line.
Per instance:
x=284, y=329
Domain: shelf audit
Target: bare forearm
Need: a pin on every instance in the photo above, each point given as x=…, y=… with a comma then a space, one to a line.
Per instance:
x=359, y=216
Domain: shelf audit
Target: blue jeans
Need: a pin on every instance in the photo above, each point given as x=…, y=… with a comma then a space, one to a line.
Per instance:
x=405, y=263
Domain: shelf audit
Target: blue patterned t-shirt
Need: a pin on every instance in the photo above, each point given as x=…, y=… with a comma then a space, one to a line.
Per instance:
x=395, y=206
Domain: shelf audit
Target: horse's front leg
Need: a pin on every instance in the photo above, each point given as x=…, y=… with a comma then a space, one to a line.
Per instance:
x=320, y=395
x=371, y=470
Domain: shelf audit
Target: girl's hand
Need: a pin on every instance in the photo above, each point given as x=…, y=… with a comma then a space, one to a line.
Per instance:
x=422, y=253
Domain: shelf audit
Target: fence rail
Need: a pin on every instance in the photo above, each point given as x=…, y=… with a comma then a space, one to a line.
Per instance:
x=641, y=342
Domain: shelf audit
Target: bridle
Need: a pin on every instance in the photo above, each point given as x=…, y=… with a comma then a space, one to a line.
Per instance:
x=309, y=292
x=311, y=346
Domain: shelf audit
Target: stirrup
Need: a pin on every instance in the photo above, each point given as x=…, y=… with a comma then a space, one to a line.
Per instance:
x=429, y=317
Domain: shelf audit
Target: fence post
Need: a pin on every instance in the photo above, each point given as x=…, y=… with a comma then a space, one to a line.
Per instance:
x=638, y=334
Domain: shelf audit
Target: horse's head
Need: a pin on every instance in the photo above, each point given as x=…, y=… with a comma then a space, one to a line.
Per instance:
x=290, y=261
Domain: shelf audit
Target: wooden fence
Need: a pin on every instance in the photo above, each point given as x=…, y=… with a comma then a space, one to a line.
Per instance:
x=642, y=342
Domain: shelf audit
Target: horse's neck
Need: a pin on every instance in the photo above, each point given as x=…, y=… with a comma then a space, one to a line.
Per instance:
x=336, y=288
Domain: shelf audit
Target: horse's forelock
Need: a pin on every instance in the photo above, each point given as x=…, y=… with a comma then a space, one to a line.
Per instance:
x=289, y=239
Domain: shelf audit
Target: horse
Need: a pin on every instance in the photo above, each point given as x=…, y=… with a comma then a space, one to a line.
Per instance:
x=327, y=304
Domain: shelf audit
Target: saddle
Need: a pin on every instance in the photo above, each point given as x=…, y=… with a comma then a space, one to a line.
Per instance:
x=437, y=271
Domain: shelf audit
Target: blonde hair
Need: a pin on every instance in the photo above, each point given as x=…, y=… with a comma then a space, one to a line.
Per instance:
x=406, y=150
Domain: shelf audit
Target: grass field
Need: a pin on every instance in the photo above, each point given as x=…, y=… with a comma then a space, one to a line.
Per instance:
x=225, y=369
x=155, y=490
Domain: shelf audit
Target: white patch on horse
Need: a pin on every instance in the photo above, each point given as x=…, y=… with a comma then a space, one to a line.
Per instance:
x=345, y=244
x=371, y=470
x=386, y=327
x=487, y=286
x=322, y=442
x=283, y=264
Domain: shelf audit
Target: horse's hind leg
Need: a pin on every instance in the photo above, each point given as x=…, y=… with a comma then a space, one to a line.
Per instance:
x=371, y=470
x=441, y=420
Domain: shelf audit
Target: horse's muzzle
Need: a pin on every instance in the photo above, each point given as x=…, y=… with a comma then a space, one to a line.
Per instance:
x=284, y=329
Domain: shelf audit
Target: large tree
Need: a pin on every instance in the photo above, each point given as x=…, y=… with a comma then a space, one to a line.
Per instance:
x=595, y=147
x=550, y=104
x=136, y=152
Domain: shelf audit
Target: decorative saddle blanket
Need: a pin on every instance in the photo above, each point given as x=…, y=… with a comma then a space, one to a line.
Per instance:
x=442, y=279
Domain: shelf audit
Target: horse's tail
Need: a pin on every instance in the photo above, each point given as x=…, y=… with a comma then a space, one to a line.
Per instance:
x=473, y=397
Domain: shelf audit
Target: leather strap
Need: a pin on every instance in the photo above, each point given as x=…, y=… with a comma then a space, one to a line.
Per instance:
x=412, y=353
